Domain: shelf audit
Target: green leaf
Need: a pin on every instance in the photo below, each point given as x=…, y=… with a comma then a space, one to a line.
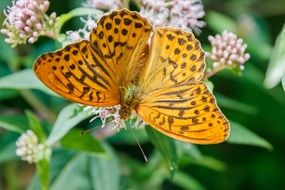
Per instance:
x=67, y=119
x=8, y=147
x=241, y=135
x=165, y=146
x=127, y=137
x=283, y=82
x=75, y=173
x=211, y=163
x=43, y=171
x=35, y=184
x=186, y=181
x=105, y=172
x=210, y=85
x=255, y=76
x=73, y=140
x=229, y=103
x=10, y=54
x=8, y=94
x=60, y=158
x=257, y=38
x=214, y=20
x=190, y=149
x=21, y=80
x=7, y=152
x=83, y=171
x=276, y=67
x=36, y=126
x=15, y=123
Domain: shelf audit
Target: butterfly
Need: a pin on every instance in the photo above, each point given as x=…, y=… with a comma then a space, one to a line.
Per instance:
x=155, y=72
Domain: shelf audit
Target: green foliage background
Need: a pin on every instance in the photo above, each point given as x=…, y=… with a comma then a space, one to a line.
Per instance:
x=246, y=161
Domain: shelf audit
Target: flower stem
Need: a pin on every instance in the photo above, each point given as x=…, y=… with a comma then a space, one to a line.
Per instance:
x=52, y=34
x=39, y=107
x=35, y=103
x=211, y=72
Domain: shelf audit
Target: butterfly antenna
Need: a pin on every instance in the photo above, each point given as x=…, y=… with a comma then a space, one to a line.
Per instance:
x=87, y=131
x=144, y=156
x=91, y=129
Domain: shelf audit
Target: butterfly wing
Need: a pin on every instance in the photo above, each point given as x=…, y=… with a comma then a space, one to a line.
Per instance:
x=79, y=73
x=187, y=112
x=173, y=100
x=122, y=38
x=175, y=57
x=92, y=73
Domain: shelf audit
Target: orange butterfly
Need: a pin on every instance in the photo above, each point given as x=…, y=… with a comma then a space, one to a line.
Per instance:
x=160, y=81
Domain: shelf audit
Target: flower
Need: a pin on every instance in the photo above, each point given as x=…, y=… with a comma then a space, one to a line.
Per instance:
x=156, y=11
x=111, y=116
x=26, y=20
x=228, y=50
x=185, y=14
x=29, y=149
x=106, y=115
x=103, y=4
x=83, y=33
x=91, y=22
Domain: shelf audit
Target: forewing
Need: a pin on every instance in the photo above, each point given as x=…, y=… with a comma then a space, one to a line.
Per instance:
x=122, y=39
x=79, y=73
x=175, y=57
x=186, y=112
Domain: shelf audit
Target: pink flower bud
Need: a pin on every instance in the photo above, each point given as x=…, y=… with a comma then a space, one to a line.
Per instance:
x=228, y=49
x=24, y=18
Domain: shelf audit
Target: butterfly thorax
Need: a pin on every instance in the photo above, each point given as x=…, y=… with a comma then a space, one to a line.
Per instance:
x=128, y=101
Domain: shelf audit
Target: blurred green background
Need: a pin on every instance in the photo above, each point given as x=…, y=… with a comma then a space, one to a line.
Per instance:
x=244, y=100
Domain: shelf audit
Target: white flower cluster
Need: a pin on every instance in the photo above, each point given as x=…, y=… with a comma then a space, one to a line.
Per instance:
x=156, y=11
x=228, y=49
x=185, y=14
x=91, y=22
x=26, y=20
x=29, y=149
x=103, y=4
x=110, y=116
x=82, y=33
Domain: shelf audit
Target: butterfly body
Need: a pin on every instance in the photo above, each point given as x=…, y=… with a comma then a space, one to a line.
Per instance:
x=156, y=73
x=129, y=101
